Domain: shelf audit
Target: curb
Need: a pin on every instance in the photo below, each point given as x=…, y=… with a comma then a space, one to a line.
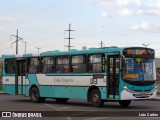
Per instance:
x=2, y=92
x=157, y=99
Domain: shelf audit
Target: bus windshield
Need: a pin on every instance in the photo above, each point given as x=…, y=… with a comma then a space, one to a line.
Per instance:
x=139, y=69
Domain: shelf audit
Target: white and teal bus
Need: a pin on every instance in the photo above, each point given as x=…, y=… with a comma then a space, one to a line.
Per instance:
x=97, y=75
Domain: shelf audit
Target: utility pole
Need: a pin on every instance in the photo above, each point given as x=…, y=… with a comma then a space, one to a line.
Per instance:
x=25, y=47
x=69, y=38
x=17, y=39
x=101, y=44
x=38, y=49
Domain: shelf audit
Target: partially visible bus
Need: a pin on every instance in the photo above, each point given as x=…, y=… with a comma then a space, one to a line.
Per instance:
x=97, y=75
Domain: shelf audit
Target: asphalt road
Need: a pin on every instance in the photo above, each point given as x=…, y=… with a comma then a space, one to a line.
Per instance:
x=76, y=109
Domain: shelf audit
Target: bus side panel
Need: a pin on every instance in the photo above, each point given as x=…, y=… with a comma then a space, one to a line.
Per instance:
x=4, y=88
x=68, y=92
x=8, y=84
x=32, y=78
x=46, y=91
x=103, y=91
x=9, y=89
x=61, y=91
x=78, y=92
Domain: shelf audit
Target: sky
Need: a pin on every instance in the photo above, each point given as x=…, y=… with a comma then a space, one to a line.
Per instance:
x=42, y=23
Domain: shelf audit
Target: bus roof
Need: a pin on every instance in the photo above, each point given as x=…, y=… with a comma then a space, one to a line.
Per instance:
x=73, y=51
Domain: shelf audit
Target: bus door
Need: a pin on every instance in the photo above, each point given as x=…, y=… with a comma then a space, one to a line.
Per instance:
x=20, y=80
x=113, y=71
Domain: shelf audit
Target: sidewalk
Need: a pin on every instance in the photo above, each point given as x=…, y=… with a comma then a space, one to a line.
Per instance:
x=158, y=98
x=1, y=92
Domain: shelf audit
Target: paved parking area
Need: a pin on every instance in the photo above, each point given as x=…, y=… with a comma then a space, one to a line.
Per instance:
x=77, y=108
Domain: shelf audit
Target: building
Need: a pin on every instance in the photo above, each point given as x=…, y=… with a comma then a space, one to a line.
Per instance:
x=157, y=64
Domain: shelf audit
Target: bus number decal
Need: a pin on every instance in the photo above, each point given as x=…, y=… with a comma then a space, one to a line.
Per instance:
x=93, y=81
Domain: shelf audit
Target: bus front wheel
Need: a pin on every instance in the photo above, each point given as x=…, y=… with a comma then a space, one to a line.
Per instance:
x=35, y=96
x=95, y=98
x=124, y=103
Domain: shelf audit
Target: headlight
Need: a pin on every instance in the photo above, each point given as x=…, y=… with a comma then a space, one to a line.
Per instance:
x=127, y=89
x=155, y=87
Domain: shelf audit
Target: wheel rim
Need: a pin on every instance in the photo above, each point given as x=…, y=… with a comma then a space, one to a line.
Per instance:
x=35, y=95
x=95, y=98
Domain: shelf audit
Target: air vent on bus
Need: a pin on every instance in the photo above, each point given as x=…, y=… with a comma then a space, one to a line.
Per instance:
x=73, y=50
x=56, y=51
x=92, y=48
x=110, y=47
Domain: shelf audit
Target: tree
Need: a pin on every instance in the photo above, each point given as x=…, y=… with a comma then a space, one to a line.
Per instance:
x=158, y=70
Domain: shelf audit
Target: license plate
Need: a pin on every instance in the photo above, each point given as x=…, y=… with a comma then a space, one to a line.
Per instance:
x=143, y=94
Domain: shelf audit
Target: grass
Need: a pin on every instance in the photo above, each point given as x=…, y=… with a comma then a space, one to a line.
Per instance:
x=158, y=94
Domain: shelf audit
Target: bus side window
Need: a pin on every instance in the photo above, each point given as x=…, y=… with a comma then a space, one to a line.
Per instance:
x=78, y=64
x=48, y=65
x=96, y=63
x=10, y=66
x=33, y=65
x=62, y=64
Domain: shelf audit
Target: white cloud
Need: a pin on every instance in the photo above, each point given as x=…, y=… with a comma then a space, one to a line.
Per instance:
x=151, y=9
x=140, y=11
x=104, y=14
x=118, y=2
x=125, y=12
x=143, y=26
x=153, y=12
x=152, y=6
x=6, y=20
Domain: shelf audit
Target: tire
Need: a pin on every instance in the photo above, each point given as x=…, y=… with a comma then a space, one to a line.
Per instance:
x=95, y=98
x=35, y=96
x=62, y=100
x=124, y=103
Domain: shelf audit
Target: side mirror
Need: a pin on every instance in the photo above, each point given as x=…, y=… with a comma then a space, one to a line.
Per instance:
x=123, y=62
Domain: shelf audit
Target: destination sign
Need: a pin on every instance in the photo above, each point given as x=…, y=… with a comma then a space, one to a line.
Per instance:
x=138, y=51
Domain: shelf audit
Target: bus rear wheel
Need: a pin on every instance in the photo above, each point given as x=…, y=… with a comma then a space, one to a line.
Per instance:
x=35, y=96
x=95, y=98
x=62, y=100
x=124, y=103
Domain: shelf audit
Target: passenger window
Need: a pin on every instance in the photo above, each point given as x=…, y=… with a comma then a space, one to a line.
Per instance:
x=62, y=64
x=96, y=63
x=10, y=66
x=78, y=64
x=48, y=65
x=34, y=65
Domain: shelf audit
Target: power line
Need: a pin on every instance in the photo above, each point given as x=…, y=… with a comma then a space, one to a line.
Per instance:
x=17, y=39
x=69, y=38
